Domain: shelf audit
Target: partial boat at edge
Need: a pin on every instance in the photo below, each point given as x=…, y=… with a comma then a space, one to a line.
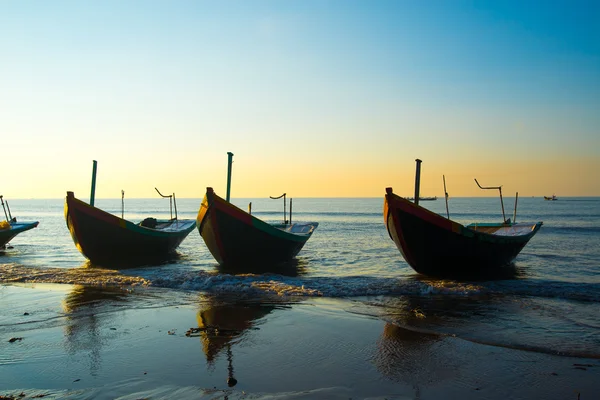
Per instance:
x=11, y=228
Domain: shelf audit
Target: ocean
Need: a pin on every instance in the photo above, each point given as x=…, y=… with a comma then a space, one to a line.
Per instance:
x=551, y=304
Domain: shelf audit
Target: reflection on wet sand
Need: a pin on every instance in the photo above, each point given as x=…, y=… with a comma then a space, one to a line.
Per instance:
x=446, y=313
x=86, y=298
x=139, y=262
x=412, y=357
x=293, y=268
x=410, y=349
x=223, y=321
x=83, y=329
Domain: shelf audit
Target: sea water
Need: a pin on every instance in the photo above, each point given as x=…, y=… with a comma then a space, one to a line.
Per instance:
x=550, y=305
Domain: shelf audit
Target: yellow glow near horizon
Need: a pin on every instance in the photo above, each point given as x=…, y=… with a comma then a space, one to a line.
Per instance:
x=255, y=179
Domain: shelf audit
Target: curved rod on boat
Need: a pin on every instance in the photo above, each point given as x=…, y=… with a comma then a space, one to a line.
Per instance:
x=501, y=201
x=285, y=221
x=172, y=202
x=488, y=187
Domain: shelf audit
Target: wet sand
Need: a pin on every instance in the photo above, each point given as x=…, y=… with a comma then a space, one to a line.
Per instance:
x=65, y=341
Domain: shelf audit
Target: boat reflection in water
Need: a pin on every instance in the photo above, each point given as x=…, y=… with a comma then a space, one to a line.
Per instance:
x=293, y=268
x=83, y=298
x=410, y=356
x=412, y=349
x=224, y=321
x=86, y=320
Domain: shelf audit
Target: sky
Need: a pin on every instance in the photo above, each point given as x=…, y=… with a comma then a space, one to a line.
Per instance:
x=315, y=98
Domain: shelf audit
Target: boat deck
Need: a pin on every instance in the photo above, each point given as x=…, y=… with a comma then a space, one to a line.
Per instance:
x=171, y=225
x=304, y=228
x=502, y=229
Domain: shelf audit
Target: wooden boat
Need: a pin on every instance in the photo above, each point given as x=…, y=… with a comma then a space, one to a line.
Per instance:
x=7, y=233
x=237, y=238
x=437, y=246
x=553, y=197
x=11, y=228
x=108, y=240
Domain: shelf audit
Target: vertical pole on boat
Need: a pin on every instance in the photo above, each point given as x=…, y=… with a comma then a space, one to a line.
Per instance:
x=93, y=193
x=284, y=211
x=417, y=181
x=122, y=203
x=446, y=196
x=290, y=211
x=250, y=208
x=5, y=214
x=502, y=204
x=9, y=214
x=175, y=206
x=229, y=162
x=515, y=213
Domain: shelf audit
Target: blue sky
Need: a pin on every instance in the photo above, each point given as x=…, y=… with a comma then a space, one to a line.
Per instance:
x=327, y=98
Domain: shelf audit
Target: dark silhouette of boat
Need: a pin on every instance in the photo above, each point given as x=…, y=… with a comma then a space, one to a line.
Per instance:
x=11, y=228
x=437, y=246
x=553, y=197
x=108, y=240
x=237, y=238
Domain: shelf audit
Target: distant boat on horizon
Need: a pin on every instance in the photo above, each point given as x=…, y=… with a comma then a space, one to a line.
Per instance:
x=422, y=198
x=553, y=197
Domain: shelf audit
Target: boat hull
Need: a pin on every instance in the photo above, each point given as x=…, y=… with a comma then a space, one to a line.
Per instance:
x=236, y=238
x=108, y=240
x=6, y=235
x=435, y=246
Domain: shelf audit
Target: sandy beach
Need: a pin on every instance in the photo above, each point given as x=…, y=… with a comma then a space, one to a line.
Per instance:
x=71, y=341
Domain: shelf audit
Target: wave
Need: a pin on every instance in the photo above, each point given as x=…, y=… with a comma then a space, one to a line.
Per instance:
x=293, y=286
x=579, y=291
x=136, y=389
